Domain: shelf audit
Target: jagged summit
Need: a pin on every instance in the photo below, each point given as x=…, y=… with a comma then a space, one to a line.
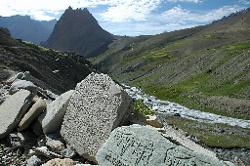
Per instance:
x=79, y=14
x=78, y=31
x=77, y=10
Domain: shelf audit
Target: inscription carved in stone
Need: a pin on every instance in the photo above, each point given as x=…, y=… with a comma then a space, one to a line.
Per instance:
x=141, y=146
x=97, y=106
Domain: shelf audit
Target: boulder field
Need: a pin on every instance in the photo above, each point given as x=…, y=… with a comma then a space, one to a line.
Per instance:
x=94, y=124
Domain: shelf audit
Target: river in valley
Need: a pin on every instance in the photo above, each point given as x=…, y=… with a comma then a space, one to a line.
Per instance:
x=170, y=108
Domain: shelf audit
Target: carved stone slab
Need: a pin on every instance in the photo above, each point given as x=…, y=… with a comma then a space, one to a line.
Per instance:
x=97, y=106
x=141, y=146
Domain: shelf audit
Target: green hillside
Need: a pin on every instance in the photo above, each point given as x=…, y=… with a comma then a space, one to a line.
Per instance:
x=205, y=68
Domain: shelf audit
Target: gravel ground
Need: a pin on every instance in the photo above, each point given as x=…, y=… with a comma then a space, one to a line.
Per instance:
x=10, y=156
x=238, y=155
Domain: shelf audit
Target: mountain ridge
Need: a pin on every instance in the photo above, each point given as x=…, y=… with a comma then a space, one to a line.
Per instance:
x=25, y=28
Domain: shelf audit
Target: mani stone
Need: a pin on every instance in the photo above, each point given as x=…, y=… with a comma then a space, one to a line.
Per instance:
x=12, y=110
x=139, y=146
x=97, y=106
x=32, y=114
x=52, y=119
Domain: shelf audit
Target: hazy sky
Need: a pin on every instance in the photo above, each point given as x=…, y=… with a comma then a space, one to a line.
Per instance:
x=131, y=17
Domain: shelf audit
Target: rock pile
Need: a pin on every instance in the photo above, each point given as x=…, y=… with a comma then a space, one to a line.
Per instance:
x=88, y=125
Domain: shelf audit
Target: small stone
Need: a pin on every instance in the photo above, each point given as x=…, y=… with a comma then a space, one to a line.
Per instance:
x=16, y=139
x=152, y=121
x=31, y=152
x=60, y=162
x=26, y=76
x=33, y=161
x=32, y=114
x=55, y=71
x=41, y=141
x=54, y=145
x=44, y=151
x=22, y=84
x=68, y=152
x=14, y=78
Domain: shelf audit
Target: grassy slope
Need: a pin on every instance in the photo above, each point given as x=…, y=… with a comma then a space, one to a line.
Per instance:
x=214, y=135
x=205, y=68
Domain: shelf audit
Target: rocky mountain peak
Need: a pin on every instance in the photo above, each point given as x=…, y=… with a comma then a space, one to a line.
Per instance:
x=78, y=31
x=78, y=14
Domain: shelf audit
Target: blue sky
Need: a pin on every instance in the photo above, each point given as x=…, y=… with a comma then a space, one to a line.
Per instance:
x=131, y=17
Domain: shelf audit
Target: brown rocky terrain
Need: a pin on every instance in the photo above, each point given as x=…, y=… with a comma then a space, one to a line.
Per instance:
x=49, y=69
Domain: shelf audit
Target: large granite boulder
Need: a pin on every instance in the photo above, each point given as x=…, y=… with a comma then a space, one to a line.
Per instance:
x=12, y=110
x=52, y=119
x=32, y=114
x=97, y=106
x=140, y=145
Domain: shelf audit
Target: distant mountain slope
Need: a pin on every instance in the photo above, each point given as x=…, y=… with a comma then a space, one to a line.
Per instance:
x=52, y=70
x=205, y=67
x=78, y=31
x=23, y=27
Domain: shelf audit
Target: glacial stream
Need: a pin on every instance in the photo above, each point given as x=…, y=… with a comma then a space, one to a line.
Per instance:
x=170, y=108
